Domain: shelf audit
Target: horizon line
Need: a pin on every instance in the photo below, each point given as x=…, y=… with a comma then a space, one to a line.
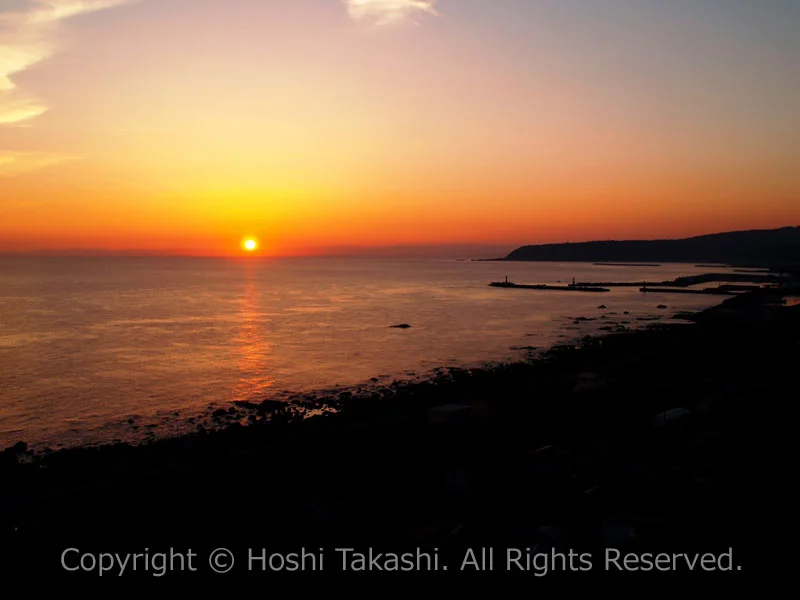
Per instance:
x=334, y=251
x=344, y=251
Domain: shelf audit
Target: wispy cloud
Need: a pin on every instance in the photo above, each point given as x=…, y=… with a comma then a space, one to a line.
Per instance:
x=383, y=12
x=28, y=35
x=18, y=163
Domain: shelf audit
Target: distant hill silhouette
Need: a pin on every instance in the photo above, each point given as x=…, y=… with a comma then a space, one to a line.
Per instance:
x=765, y=247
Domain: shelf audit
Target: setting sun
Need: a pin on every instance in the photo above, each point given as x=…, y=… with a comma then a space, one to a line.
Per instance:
x=250, y=245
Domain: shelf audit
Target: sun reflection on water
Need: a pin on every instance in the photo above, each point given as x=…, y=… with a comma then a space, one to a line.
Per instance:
x=254, y=349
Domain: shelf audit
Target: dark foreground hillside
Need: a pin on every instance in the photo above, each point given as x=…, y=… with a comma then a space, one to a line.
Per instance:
x=678, y=440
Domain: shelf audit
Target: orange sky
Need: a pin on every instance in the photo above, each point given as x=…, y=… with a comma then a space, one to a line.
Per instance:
x=191, y=124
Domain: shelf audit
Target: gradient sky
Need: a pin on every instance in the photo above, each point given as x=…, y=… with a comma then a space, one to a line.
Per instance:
x=188, y=124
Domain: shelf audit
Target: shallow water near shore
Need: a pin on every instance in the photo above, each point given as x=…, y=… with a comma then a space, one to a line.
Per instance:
x=101, y=349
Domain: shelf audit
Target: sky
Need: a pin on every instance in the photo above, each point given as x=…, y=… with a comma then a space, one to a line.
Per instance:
x=312, y=125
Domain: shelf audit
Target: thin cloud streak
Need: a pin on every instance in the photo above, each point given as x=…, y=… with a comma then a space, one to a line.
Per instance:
x=18, y=163
x=18, y=110
x=27, y=37
x=384, y=12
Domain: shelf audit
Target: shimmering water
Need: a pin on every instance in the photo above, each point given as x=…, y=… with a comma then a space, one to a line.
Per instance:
x=86, y=344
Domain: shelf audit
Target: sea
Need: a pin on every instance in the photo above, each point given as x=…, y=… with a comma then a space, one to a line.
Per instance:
x=98, y=350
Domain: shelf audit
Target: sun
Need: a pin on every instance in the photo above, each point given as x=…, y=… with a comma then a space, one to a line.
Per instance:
x=250, y=244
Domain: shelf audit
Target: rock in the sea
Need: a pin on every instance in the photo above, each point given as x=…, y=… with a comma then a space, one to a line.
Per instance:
x=401, y=326
x=18, y=448
x=685, y=315
x=602, y=306
x=661, y=306
x=245, y=404
x=220, y=412
x=270, y=405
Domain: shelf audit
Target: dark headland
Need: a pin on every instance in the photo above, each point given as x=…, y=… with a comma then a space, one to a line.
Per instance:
x=679, y=439
x=768, y=247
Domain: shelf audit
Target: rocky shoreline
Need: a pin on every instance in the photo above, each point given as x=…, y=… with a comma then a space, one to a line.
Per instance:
x=147, y=428
x=670, y=437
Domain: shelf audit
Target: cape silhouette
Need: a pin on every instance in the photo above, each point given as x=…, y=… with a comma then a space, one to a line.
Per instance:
x=755, y=247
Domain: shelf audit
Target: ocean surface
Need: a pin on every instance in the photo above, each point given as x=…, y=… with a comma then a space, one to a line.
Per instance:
x=100, y=349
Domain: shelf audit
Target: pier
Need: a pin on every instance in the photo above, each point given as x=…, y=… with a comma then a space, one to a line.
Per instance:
x=558, y=288
x=684, y=282
x=729, y=284
x=718, y=291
